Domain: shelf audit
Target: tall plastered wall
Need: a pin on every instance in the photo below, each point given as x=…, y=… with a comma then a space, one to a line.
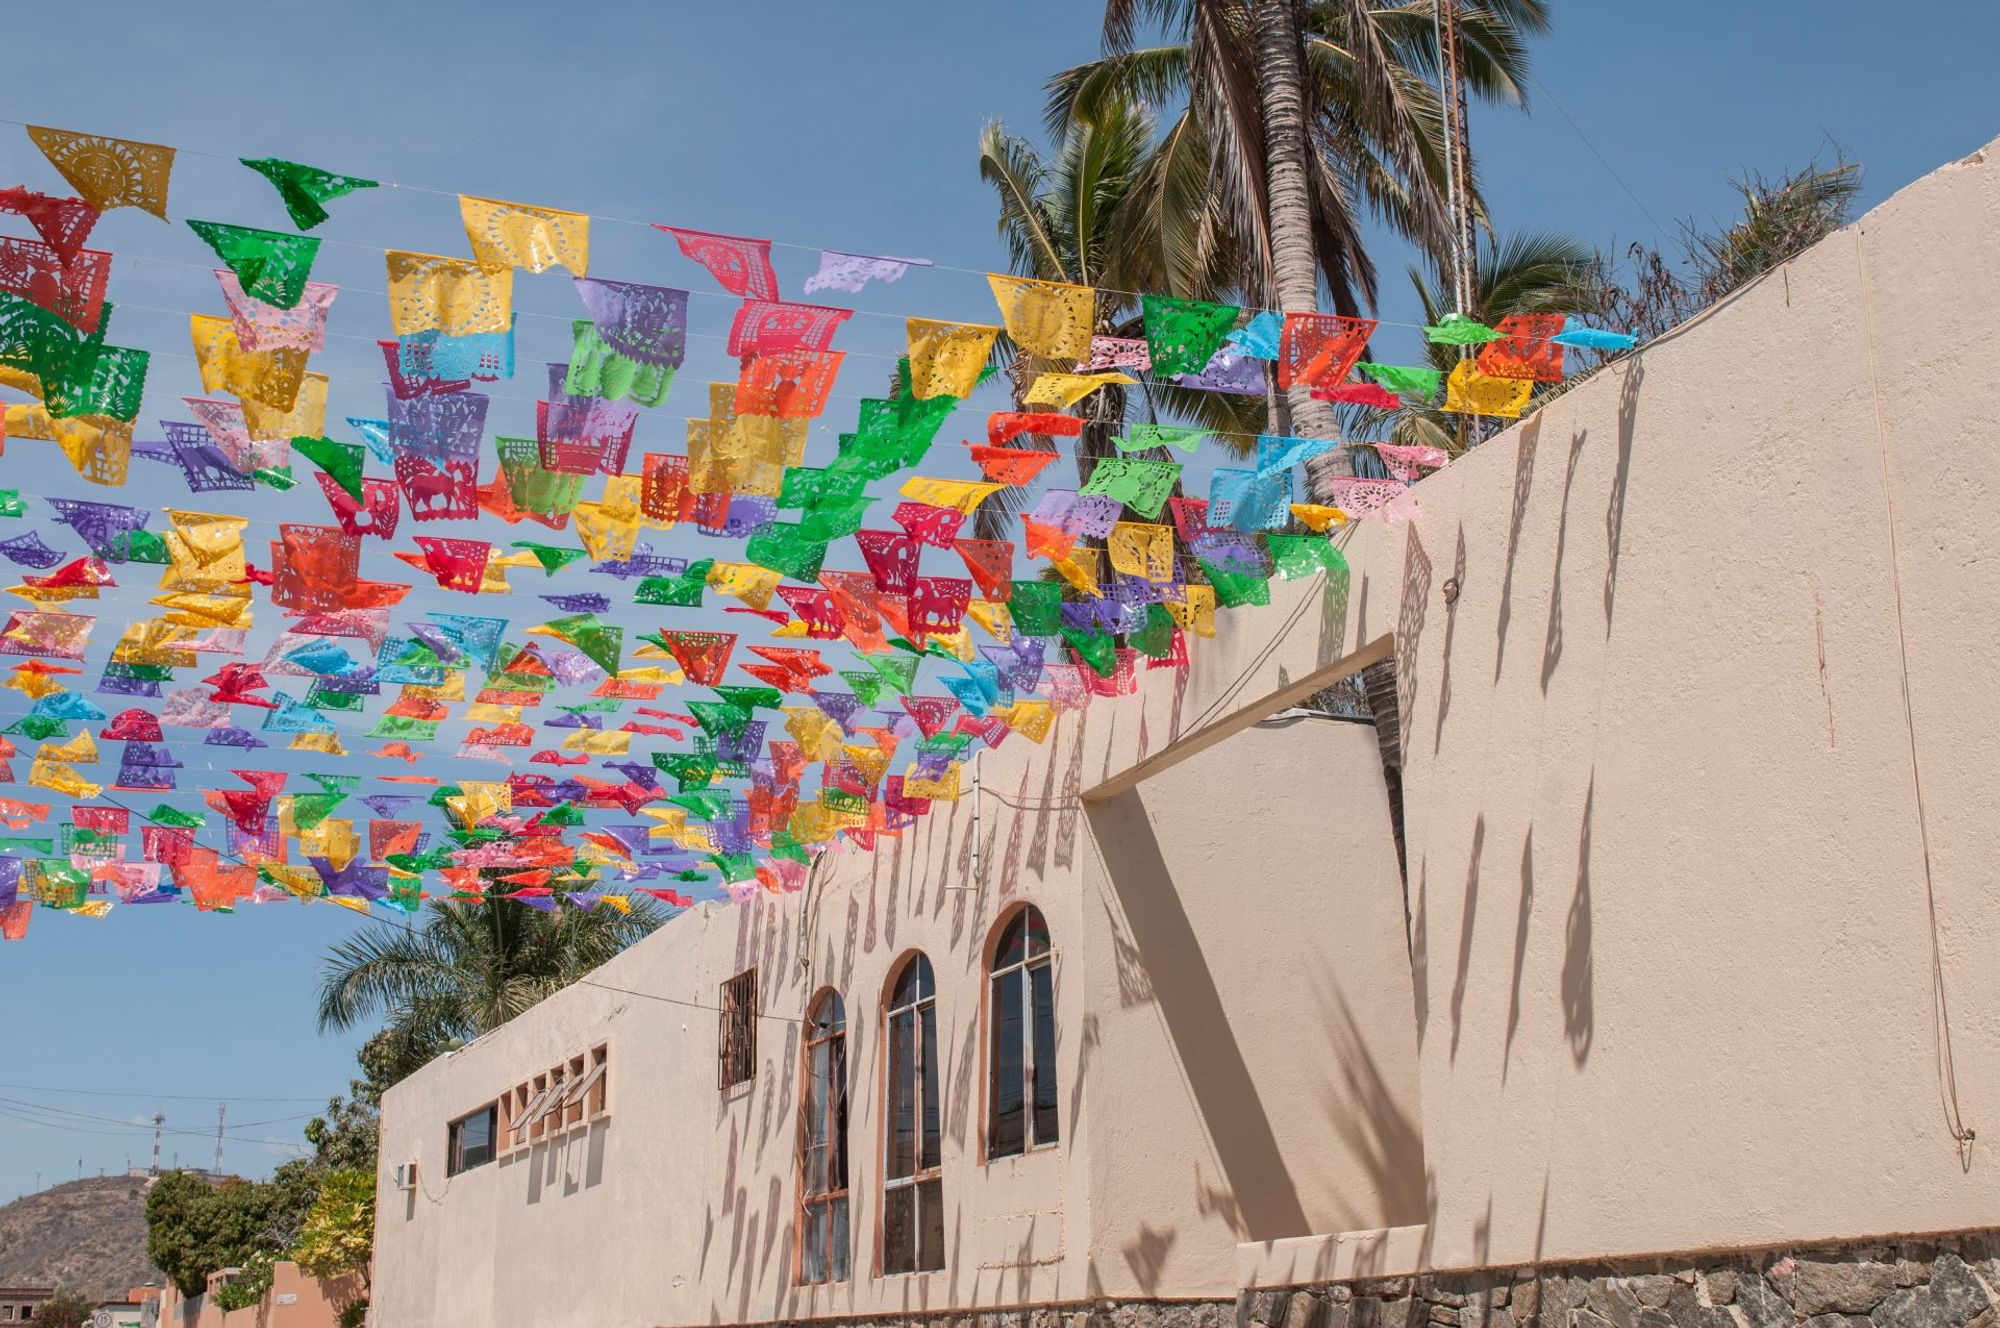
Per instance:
x=1671, y=915
x=1186, y=914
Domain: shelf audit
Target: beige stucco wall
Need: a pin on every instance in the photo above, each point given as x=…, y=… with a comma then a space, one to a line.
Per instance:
x=1667, y=872
x=680, y=1208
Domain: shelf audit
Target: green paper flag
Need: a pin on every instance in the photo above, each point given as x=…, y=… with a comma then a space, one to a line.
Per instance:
x=676, y=592
x=304, y=188
x=789, y=550
x=596, y=370
x=341, y=461
x=1404, y=379
x=719, y=717
x=691, y=772
x=603, y=643
x=1097, y=649
x=165, y=815
x=552, y=558
x=706, y=806
x=1235, y=589
x=899, y=673
x=1156, y=639
x=274, y=477
x=1458, y=330
x=272, y=265
x=751, y=698
x=868, y=685
x=1144, y=437
x=1182, y=336
x=1036, y=607
x=11, y=503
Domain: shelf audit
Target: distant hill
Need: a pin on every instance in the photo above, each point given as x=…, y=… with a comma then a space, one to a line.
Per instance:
x=86, y=1235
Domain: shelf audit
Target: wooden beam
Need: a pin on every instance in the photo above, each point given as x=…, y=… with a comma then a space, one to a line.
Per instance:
x=1242, y=717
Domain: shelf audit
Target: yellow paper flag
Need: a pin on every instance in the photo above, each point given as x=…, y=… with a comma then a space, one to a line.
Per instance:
x=516, y=235
x=1047, y=318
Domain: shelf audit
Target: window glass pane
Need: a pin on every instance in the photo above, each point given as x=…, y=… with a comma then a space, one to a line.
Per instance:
x=925, y=985
x=899, y=1230
x=812, y=1251
x=927, y=1055
x=1036, y=931
x=1008, y=1069
x=1009, y=949
x=837, y=1144
x=816, y=1120
x=838, y=1240
x=902, y=1095
x=930, y=1231
x=1042, y=980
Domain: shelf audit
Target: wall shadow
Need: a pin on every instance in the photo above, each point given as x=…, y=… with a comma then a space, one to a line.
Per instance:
x=1552, y=645
x=1456, y=588
x=1238, y=1126
x=1614, y=511
x=1530, y=435
x=1389, y=1141
x=1410, y=628
x=1579, y=1010
x=1465, y=924
x=1520, y=948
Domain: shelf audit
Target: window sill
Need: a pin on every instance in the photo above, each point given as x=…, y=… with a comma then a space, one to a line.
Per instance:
x=1039, y=1150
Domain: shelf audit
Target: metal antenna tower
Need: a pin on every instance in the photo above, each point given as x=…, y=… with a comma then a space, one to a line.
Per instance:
x=1458, y=157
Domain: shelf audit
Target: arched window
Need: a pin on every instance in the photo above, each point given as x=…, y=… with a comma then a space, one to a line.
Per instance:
x=912, y=1189
x=823, y=1189
x=1021, y=1107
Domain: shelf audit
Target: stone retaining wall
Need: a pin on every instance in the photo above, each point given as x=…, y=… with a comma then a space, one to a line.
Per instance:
x=1927, y=1282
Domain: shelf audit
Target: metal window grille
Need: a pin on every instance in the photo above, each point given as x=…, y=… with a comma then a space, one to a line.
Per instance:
x=737, y=1061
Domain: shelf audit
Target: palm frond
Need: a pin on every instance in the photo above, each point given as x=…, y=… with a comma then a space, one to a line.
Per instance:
x=1152, y=76
x=1017, y=173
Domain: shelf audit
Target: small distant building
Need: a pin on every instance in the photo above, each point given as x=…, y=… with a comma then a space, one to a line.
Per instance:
x=22, y=1304
x=294, y=1301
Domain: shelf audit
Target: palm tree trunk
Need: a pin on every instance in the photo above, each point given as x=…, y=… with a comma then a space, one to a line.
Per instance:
x=1294, y=262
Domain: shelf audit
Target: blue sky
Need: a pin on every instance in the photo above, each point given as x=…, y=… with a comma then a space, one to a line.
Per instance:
x=845, y=126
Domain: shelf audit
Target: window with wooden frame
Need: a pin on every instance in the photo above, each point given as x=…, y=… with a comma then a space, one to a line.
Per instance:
x=823, y=1234
x=573, y=1093
x=1021, y=1022
x=912, y=1183
x=469, y=1140
x=737, y=1055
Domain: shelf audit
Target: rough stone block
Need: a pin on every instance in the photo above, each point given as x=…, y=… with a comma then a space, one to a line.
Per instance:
x=1960, y=1295
x=1844, y=1288
x=1303, y=1310
x=1762, y=1307
x=1911, y=1307
x=1836, y=1321
x=1719, y=1286
x=1652, y=1289
x=1614, y=1300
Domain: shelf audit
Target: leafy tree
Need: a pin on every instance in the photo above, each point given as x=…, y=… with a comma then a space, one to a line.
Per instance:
x=194, y=1229
x=1779, y=221
x=65, y=1309
x=339, y=1235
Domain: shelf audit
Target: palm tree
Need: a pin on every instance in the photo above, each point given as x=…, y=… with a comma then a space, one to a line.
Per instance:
x=467, y=969
x=1528, y=272
x=1310, y=110
x=1119, y=209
